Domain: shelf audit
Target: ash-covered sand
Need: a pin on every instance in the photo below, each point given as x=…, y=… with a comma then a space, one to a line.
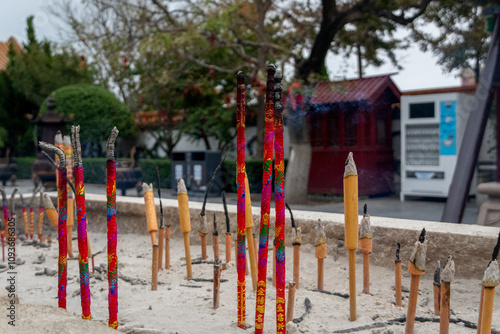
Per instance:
x=178, y=309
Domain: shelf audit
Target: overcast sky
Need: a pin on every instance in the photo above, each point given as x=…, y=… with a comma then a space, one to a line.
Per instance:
x=419, y=69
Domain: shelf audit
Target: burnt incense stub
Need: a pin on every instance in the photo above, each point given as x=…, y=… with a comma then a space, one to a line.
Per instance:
x=110, y=145
x=365, y=230
x=437, y=275
x=297, y=236
x=491, y=275
x=320, y=234
x=47, y=202
x=147, y=187
x=350, y=166
x=181, y=187
x=448, y=273
x=202, y=227
x=418, y=255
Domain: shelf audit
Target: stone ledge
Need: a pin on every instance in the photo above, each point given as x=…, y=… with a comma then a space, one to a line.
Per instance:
x=470, y=245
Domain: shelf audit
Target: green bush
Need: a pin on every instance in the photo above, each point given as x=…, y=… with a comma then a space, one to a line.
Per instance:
x=254, y=171
x=95, y=109
x=94, y=170
x=149, y=171
x=24, y=167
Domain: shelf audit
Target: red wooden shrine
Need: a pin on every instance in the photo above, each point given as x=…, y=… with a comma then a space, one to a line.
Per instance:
x=353, y=116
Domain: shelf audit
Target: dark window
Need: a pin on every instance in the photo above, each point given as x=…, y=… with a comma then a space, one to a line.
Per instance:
x=351, y=127
x=422, y=110
x=333, y=131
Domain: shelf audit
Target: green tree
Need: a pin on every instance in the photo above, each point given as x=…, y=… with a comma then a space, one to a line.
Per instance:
x=461, y=40
x=43, y=67
x=96, y=110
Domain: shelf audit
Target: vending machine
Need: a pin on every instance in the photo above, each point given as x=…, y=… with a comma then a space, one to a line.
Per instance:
x=432, y=128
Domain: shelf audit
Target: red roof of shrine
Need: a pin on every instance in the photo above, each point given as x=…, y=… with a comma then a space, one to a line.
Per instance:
x=363, y=89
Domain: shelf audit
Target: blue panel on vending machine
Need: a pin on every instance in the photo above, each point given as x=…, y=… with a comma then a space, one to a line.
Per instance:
x=448, y=128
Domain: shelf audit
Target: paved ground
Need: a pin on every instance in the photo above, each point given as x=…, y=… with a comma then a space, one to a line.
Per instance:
x=387, y=206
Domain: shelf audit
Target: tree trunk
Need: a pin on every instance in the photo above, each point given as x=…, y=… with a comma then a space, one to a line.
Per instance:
x=299, y=163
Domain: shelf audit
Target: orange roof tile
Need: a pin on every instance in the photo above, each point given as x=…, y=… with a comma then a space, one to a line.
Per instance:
x=4, y=51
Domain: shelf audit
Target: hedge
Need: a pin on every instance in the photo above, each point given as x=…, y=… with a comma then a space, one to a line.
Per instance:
x=24, y=167
x=95, y=171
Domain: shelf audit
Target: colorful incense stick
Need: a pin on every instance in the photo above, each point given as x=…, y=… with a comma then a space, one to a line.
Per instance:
x=416, y=268
x=397, y=265
x=25, y=216
x=447, y=277
x=112, y=229
x=228, y=229
x=265, y=204
x=5, y=207
x=152, y=223
x=40, y=217
x=240, y=175
x=185, y=222
x=437, y=289
x=12, y=206
x=297, y=241
x=62, y=193
x=68, y=151
x=279, y=199
x=365, y=241
x=351, y=226
x=320, y=252
x=81, y=217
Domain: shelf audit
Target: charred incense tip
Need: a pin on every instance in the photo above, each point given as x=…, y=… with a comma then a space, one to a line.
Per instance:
x=240, y=77
x=320, y=234
x=216, y=232
x=365, y=229
x=421, y=238
x=58, y=139
x=365, y=209
x=33, y=195
x=22, y=199
x=419, y=253
x=278, y=92
x=297, y=236
x=437, y=275
x=12, y=203
x=495, y=250
x=77, y=149
x=147, y=187
x=56, y=150
x=398, y=250
x=47, y=202
x=4, y=194
x=181, y=187
x=202, y=227
x=110, y=145
x=491, y=276
x=271, y=69
x=291, y=215
x=448, y=273
x=350, y=166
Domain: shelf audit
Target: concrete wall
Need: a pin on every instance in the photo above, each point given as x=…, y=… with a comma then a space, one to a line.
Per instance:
x=470, y=245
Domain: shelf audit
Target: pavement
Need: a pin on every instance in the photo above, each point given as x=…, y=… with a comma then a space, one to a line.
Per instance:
x=429, y=209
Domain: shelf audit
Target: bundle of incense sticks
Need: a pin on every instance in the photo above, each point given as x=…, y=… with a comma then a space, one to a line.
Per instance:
x=25, y=216
x=112, y=232
x=40, y=217
x=265, y=205
x=240, y=173
x=83, y=258
x=62, y=193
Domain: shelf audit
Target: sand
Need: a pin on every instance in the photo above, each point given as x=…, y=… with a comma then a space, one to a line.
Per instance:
x=175, y=308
